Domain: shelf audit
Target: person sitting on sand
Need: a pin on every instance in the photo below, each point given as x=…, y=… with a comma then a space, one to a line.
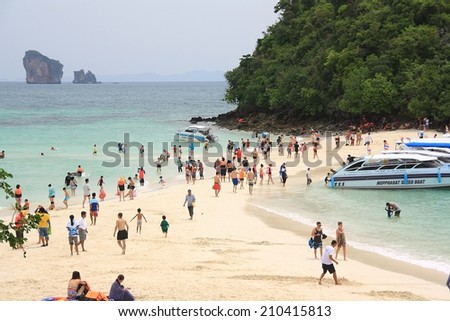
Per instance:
x=118, y=292
x=76, y=287
x=162, y=181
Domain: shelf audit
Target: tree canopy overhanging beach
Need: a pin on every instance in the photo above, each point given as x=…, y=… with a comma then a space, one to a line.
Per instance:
x=337, y=60
x=29, y=222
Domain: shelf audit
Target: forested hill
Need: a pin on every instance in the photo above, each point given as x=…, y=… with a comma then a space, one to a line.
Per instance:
x=340, y=60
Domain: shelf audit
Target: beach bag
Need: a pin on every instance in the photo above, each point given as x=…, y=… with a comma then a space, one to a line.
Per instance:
x=311, y=242
x=324, y=236
x=95, y=296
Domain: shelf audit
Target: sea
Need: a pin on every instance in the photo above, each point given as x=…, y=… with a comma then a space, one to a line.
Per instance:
x=48, y=130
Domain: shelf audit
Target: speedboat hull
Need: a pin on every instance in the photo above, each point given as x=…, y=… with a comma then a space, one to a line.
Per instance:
x=191, y=137
x=394, y=170
x=398, y=180
x=196, y=134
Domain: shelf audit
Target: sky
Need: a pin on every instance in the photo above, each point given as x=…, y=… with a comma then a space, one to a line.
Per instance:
x=116, y=37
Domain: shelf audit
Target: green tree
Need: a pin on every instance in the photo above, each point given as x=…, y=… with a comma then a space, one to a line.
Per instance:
x=328, y=57
x=7, y=231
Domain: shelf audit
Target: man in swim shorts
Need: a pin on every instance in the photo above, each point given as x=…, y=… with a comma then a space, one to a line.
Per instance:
x=122, y=232
x=341, y=242
x=327, y=262
x=234, y=179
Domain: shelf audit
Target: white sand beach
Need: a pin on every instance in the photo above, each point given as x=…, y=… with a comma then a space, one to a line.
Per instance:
x=229, y=251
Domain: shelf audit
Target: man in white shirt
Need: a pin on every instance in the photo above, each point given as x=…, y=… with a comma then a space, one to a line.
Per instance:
x=368, y=140
x=86, y=191
x=327, y=262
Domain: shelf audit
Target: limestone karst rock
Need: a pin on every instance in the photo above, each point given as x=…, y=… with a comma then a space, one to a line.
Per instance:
x=41, y=69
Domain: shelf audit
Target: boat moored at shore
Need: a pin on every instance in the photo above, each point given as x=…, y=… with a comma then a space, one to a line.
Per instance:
x=393, y=171
x=196, y=134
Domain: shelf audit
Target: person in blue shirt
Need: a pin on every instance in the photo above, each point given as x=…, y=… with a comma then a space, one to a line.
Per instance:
x=94, y=208
x=51, y=193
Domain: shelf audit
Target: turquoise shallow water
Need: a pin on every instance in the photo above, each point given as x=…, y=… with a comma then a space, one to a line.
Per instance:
x=72, y=118
x=419, y=236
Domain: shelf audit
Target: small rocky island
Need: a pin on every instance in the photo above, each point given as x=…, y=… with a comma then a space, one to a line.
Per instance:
x=79, y=77
x=41, y=69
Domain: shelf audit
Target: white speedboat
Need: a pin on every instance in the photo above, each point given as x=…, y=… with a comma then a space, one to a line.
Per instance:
x=392, y=171
x=443, y=156
x=196, y=134
x=440, y=142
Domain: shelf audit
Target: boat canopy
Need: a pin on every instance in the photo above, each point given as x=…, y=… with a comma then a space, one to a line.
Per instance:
x=402, y=156
x=430, y=142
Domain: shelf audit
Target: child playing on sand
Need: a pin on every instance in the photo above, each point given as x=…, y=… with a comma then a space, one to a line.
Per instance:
x=164, y=225
x=52, y=206
x=162, y=181
x=139, y=217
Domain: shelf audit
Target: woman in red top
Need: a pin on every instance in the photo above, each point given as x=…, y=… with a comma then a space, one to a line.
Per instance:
x=239, y=155
x=19, y=231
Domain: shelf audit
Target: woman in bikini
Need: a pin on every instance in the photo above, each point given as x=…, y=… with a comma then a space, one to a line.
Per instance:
x=76, y=286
